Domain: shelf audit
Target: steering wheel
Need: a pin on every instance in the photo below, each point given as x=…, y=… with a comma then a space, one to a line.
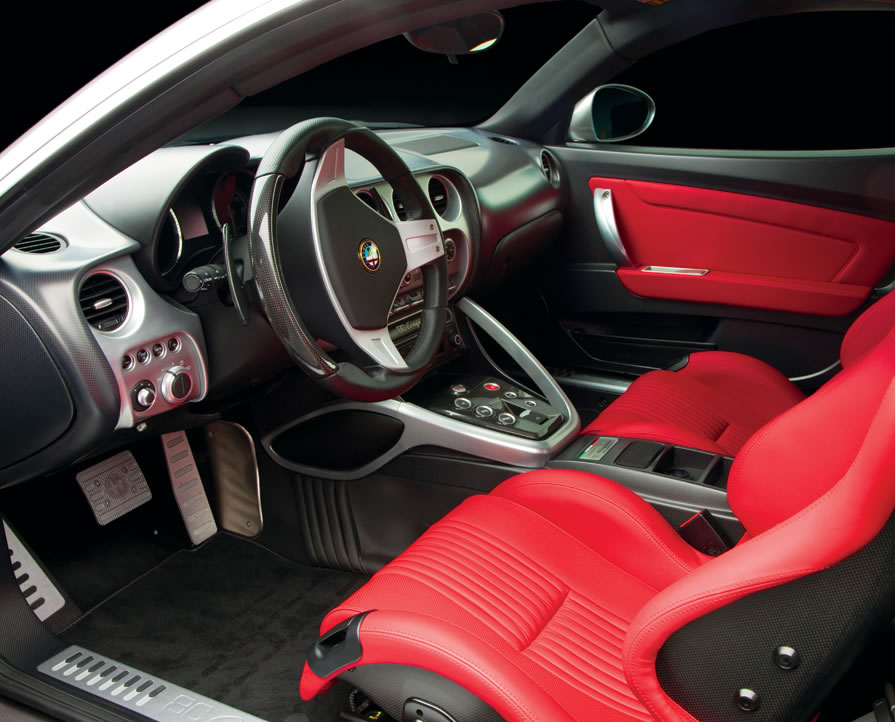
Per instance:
x=327, y=252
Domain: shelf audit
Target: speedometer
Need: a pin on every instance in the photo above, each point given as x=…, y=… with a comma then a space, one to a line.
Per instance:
x=230, y=204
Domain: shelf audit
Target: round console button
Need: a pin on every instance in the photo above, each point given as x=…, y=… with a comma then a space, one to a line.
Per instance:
x=530, y=404
x=463, y=403
x=143, y=356
x=484, y=412
x=491, y=386
x=458, y=389
x=510, y=394
x=506, y=419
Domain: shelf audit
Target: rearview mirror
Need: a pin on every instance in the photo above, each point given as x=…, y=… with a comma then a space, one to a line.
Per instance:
x=459, y=37
x=612, y=113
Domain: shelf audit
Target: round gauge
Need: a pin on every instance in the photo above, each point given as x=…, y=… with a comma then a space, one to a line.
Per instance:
x=170, y=244
x=230, y=204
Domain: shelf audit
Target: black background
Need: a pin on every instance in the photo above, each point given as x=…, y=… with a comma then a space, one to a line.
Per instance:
x=806, y=82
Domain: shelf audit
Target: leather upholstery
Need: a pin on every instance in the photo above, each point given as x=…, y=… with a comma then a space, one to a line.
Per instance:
x=715, y=403
x=551, y=598
x=760, y=252
x=525, y=584
x=719, y=399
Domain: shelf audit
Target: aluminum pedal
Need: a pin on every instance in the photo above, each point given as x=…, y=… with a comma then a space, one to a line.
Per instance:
x=114, y=487
x=188, y=489
x=40, y=593
x=132, y=689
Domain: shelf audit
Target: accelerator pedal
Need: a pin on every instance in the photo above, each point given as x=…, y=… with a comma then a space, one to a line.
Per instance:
x=128, y=687
x=188, y=489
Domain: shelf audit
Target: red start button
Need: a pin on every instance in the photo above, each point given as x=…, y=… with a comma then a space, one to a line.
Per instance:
x=491, y=386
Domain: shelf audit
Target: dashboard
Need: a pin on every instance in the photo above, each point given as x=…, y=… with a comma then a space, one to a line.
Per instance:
x=131, y=336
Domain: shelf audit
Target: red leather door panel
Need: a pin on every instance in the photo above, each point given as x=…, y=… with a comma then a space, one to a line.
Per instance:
x=760, y=252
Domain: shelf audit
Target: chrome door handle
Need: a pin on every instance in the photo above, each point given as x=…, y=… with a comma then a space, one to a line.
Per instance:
x=605, y=213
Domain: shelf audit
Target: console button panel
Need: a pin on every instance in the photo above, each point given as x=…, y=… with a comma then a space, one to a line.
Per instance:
x=497, y=404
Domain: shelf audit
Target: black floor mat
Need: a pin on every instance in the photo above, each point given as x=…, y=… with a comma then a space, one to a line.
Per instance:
x=230, y=620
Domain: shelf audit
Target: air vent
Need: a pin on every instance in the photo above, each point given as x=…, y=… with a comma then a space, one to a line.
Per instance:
x=40, y=243
x=368, y=198
x=549, y=168
x=499, y=139
x=438, y=195
x=400, y=210
x=104, y=302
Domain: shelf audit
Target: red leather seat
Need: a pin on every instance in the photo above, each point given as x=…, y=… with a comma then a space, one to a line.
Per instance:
x=564, y=596
x=719, y=399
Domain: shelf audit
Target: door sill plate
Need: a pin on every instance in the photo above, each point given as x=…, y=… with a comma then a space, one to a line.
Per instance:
x=126, y=686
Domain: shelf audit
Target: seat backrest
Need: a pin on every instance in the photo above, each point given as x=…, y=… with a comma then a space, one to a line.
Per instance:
x=868, y=330
x=815, y=489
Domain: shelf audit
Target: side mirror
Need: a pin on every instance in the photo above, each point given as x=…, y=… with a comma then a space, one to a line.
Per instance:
x=611, y=113
x=459, y=37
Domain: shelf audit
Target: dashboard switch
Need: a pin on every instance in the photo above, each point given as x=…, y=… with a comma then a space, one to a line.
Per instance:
x=176, y=385
x=143, y=395
x=463, y=403
x=491, y=386
x=484, y=412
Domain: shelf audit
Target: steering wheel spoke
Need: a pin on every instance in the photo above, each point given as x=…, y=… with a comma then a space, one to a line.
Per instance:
x=330, y=174
x=378, y=345
x=422, y=242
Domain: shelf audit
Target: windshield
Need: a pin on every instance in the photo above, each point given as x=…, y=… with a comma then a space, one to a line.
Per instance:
x=391, y=83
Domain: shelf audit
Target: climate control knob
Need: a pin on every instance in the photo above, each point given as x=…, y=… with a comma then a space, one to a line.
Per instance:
x=176, y=385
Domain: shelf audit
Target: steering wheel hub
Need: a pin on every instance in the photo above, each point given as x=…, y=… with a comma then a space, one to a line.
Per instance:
x=361, y=259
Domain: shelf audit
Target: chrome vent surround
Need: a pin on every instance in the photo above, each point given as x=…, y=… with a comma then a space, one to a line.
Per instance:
x=438, y=195
x=104, y=301
x=40, y=243
x=549, y=168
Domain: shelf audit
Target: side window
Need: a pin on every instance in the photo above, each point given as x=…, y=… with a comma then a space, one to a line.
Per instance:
x=814, y=81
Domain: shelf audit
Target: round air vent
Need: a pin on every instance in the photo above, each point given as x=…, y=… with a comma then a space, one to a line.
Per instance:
x=104, y=301
x=438, y=195
x=550, y=169
x=40, y=243
x=400, y=209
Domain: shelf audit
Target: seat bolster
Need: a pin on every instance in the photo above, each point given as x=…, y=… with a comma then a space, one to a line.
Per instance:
x=598, y=512
x=406, y=638
x=748, y=379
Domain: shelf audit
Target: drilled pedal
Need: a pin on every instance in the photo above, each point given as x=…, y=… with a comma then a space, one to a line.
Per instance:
x=188, y=490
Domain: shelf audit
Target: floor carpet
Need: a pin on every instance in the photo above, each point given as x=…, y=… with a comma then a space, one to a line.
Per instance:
x=230, y=620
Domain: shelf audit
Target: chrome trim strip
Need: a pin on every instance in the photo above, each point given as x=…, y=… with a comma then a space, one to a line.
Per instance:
x=674, y=270
x=816, y=374
x=605, y=214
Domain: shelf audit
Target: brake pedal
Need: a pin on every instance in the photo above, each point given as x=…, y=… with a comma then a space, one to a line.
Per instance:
x=187, y=485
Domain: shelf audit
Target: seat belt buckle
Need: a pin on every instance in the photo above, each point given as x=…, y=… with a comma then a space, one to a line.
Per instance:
x=702, y=532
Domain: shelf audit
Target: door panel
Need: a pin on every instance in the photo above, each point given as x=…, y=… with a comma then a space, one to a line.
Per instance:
x=758, y=252
x=794, y=244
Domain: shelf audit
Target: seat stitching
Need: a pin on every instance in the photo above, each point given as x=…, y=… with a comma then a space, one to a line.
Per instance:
x=645, y=529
